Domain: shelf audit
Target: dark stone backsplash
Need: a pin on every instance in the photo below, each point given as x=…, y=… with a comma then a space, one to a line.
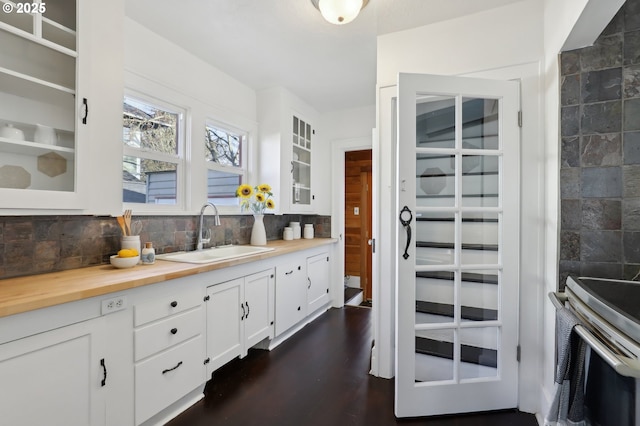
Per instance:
x=600, y=153
x=39, y=244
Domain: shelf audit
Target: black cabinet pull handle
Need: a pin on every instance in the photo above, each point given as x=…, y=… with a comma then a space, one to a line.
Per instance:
x=407, y=226
x=247, y=303
x=298, y=307
x=104, y=373
x=171, y=369
x=288, y=273
x=85, y=104
x=174, y=304
x=174, y=330
x=309, y=279
x=244, y=313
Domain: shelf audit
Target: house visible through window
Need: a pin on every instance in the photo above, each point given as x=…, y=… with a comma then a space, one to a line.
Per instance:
x=224, y=154
x=152, y=157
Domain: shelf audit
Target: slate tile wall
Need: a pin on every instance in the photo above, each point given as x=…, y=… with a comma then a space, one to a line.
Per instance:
x=38, y=244
x=600, y=153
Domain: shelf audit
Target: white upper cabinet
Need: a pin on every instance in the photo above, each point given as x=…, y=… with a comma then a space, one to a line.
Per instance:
x=287, y=140
x=45, y=105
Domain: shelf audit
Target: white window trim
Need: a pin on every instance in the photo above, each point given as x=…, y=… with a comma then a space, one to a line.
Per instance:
x=243, y=171
x=181, y=158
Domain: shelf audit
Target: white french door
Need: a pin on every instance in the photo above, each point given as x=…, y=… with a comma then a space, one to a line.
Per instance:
x=457, y=248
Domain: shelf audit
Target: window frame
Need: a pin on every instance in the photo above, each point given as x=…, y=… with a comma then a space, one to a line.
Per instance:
x=179, y=158
x=243, y=170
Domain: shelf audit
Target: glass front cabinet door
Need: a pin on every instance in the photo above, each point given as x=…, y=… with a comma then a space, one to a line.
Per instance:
x=301, y=196
x=42, y=112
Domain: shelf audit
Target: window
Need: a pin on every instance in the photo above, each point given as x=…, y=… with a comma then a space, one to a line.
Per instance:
x=226, y=164
x=153, y=161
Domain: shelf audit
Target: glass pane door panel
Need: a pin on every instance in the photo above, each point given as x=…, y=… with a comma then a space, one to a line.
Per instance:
x=480, y=180
x=479, y=295
x=62, y=12
x=435, y=122
x=478, y=352
x=435, y=291
x=480, y=123
x=21, y=21
x=435, y=180
x=480, y=233
x=28, y=58
x=435, y=237
x=434, y=355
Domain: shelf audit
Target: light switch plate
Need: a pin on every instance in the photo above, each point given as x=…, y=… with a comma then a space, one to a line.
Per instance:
x=356, y=211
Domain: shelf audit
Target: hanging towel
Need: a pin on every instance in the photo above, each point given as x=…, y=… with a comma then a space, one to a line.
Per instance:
x=567, y=407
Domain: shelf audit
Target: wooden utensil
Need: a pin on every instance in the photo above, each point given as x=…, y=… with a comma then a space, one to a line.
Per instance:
x=120, y=220
x=127, y=221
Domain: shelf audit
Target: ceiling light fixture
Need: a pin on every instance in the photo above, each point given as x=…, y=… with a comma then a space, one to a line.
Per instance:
x=339, y=12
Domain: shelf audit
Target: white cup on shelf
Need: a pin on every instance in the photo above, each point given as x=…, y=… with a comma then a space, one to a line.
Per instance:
x=45, y=134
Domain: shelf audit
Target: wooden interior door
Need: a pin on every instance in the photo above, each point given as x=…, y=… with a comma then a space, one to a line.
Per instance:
x=358, y=223
x=365, y=233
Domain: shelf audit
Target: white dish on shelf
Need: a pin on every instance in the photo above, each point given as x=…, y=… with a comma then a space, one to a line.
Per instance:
x=46, y=135
x=11, y=132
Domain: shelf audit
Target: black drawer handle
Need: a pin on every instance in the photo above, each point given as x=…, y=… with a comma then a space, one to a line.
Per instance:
x=174, y=304
x=288, y=273
x=171, y=369
x=174, y=330
x=298, y=307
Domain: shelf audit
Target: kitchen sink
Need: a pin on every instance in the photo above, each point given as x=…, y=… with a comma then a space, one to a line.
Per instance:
x=216, y=254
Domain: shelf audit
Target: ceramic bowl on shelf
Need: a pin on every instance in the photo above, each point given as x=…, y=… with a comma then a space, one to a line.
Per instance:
x=124, y=262
x=10, y=132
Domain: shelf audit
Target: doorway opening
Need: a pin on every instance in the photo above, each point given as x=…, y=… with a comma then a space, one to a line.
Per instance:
x=358, y=227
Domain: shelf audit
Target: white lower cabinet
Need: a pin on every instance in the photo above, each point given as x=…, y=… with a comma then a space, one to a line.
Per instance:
x=58, y=377
x=169, y=351
x=239, y=315
x=291, y=293
x=168, y=376
x=77, y=365
x=318, y=273
x=302, y=287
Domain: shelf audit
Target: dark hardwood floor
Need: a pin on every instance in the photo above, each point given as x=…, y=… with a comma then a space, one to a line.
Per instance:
x=319, y=377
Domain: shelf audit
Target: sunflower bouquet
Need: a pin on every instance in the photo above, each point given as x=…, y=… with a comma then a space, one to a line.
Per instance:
x=255, y=198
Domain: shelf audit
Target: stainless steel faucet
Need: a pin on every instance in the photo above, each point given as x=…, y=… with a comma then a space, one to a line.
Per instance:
x=216, y=222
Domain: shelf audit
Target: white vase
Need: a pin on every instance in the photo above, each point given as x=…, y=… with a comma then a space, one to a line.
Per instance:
x=258, y=233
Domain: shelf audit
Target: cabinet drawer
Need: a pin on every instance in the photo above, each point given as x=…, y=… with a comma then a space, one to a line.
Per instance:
x=163, y=379
x=168, y=305
x=160, y=335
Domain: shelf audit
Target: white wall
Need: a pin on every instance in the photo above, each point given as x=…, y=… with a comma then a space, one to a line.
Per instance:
x=158, y=68
x=504, y=43
x=349, y=124
x=150, y=55
x=495, y=38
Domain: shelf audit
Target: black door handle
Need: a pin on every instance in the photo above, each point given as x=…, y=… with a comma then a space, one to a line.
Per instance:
x=406, y=222
x=104, y=373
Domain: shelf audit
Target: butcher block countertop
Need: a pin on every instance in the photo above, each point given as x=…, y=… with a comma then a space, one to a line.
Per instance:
x=32, y=292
